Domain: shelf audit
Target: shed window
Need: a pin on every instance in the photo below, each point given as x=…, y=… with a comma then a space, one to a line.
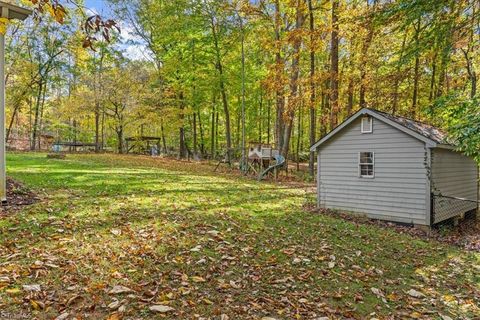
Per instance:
x=367, y=125
x=366, y=163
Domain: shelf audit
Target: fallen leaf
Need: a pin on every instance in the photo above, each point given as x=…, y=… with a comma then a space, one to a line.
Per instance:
x=114, y=316
x=120, y=289
x=13, y=291
x=198, y=279
x=416, y=294
x=377, y=292
x=32, y=288
x=196, y=249
x=114, y=305
x=63, y=316
x=160, y=308
x=116, y=232
x=37, y=305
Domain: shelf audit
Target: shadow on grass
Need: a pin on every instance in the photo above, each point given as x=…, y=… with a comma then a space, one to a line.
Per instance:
x=263, y=227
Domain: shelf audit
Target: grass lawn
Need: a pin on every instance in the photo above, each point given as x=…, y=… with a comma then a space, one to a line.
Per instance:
x=199, y=245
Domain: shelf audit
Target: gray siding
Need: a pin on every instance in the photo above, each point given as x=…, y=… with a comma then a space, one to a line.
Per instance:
x=398, y=192
x=453, y=175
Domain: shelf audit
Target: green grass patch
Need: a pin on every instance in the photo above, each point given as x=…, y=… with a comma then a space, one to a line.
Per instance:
x=209, y=244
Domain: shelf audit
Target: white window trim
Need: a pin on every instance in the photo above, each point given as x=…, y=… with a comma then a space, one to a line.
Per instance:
x=370, y=122
x=360, y=166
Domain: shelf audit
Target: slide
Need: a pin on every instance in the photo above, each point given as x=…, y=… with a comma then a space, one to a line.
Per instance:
x=279, y=162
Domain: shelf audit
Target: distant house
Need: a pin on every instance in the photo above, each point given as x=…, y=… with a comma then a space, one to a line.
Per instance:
x=393, y=168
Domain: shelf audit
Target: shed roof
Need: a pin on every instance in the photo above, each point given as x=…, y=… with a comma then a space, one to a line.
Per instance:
x=431, y=135
x=428, y=131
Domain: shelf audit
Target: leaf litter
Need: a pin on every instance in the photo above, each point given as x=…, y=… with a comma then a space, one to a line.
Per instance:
x=255, y=254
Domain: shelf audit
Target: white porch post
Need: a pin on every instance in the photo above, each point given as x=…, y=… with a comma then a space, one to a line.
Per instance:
x=8, y=11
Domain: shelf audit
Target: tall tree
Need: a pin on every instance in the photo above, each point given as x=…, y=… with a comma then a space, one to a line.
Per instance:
x=334, y=44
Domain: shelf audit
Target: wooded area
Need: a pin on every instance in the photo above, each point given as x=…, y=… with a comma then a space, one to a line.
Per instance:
x=297, y=68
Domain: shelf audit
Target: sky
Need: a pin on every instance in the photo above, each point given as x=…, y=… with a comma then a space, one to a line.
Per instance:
x=132, y=45
x=99, y=6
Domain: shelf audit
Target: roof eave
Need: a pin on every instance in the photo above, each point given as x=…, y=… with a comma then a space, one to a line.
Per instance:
x=429, y=142
x=338, y=128
x=446, y=146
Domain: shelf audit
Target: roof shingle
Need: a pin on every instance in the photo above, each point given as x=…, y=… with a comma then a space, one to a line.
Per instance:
x=426, y=130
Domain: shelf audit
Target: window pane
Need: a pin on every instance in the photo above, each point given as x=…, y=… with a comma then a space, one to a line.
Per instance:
x=363, y=157
x=366, y=124
x=370, y=170
x=363, y=170
x=366, y=157
x=366, y=170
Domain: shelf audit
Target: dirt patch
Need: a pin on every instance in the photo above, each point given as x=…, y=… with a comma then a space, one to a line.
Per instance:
x=18, y=196
x=465, y=235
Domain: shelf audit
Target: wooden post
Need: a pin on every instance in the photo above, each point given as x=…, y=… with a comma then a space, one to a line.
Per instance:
x=8, y=11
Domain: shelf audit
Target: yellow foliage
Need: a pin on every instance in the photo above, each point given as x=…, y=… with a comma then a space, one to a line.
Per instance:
x=3, y=25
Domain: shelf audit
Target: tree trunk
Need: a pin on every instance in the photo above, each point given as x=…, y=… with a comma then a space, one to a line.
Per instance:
x=446, y=51
x=311, y=160
x=279, y=92
x=238, y=125
x=260, y=118
x=74, y=135
x=268, y=123
x=472, y=75
x=195, y=147
x=182, y=145
x=416, y=73
x=97, y=127
x=202, y=139
x=244, y=146
x=431, y=95
x=217, y=114
x=98, y=91
x=12, y=120
x=119, y=131
x=299, y=137
x=223, y=91
x=42, y=111
x=33, y=144
x=334, y=66
x=293, y=98
x=212, y=131
x=364, y=58
x=396, y=85
x=102, y=142
x=164, y=141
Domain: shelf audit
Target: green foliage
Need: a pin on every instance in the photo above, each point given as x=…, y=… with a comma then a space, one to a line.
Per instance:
x=462, y=120
x=402, y=57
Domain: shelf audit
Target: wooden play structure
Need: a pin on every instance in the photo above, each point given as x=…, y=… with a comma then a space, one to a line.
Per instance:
x=264, y=159
x=259, y=159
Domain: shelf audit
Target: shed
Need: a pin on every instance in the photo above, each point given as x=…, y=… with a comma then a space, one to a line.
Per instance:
x=396, y=169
